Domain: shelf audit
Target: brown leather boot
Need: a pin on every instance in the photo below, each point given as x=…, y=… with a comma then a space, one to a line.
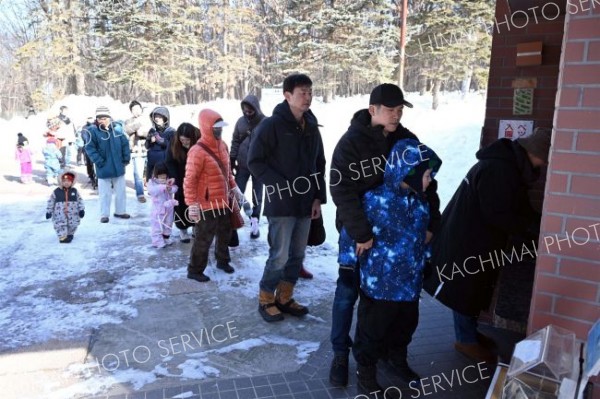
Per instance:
x=285, y=302
x=267, y=307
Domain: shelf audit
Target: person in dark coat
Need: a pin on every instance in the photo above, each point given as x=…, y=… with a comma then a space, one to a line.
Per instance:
x=21, y=139
x=286, y=155
x=357, y=166
x=108, y=148
x=89, y=165
x=185, y=137
x=490, y=205
x=158, y=138
x=240, y=143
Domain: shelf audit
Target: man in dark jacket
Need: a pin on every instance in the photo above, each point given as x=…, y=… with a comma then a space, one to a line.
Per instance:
x=490, y=205
x=357, y=165
x=286, y=155
x=108, y=149
x=239, y=158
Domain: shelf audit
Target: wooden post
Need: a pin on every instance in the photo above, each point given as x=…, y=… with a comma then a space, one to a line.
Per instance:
x=402, y=43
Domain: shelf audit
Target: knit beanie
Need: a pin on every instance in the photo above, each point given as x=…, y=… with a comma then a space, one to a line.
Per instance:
x=68, y=176
x=102, y=111
x=53, y=122
x=538, y=143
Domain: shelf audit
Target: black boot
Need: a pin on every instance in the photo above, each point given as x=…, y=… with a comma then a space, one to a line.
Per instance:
x=226, y=267
x=338, y=374
x=401, y=368
x=367, y=380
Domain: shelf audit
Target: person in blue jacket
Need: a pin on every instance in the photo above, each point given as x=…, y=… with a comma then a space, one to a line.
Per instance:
x=391, y=272
x=108, y=148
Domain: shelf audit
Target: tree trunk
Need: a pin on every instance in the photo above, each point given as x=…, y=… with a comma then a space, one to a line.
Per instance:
x=436, y=94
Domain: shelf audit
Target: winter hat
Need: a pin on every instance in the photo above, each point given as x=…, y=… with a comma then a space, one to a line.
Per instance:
x=68, y=176
x=389, y=95
x=415, y=177
x=538, y=143
x=53, y=122
x=102, y=111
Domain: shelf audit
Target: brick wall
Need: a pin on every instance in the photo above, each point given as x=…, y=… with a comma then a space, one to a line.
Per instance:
x=503, y=69
x=567, y=284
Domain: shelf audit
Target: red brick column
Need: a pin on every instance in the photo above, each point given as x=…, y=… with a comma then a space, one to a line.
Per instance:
x=567, y=283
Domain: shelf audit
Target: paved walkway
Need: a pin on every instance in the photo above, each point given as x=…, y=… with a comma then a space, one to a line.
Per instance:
x=445, y=373
x=169, y=314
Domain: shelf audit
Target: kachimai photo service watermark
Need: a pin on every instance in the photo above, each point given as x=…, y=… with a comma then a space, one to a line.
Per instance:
x=302, y=184
x=434, y=384
x=478, y=264
x=191, y=342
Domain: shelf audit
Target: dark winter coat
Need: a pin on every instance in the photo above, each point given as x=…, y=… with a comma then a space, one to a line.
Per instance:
x=108, y=150
x=290, y=162
x=392, y=270
x=490, y=205
x=357, y=165
x=162, y=134
x=240, y=142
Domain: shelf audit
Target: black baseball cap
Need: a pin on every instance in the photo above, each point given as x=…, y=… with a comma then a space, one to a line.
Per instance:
x=389, y=95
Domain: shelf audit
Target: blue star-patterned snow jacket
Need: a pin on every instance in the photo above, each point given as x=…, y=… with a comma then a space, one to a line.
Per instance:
x=392, y=269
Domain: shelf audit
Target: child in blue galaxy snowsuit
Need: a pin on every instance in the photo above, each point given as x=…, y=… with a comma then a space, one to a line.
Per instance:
x=391, y=272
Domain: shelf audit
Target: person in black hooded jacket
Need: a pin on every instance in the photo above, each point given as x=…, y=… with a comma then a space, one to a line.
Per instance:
x=490, y=205
x=158, y=139
x=240, y=143
x=286, y=155
x=358, y=165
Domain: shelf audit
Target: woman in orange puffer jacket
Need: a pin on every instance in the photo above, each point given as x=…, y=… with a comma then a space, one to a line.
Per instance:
x=206, y=187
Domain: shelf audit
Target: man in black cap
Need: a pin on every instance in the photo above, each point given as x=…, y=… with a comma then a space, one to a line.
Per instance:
x=357, y=165
x=490, y=205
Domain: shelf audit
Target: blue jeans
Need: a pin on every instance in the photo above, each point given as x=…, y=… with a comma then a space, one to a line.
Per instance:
x=241, y=179
x=465, y=328
x=138, y=170
x=287, y=242
x=346, y=294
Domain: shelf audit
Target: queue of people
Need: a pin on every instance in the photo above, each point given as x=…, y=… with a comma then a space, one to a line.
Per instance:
x=193, y=180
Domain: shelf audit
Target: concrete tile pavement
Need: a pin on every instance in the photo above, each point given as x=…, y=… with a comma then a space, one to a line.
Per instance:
x=444, y=372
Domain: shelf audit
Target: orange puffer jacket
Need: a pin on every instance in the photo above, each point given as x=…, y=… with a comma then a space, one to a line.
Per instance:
x=204, y=184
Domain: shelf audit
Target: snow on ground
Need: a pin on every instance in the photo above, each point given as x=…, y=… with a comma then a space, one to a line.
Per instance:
x=53, y=291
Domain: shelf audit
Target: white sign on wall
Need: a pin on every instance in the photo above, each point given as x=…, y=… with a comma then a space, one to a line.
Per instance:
x=514, y=129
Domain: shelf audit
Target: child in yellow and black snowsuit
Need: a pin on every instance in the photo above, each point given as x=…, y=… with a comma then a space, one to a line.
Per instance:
x=65, y=207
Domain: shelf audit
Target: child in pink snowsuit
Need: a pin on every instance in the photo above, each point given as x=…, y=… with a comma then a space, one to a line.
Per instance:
x=23, y=155
x=161, y=190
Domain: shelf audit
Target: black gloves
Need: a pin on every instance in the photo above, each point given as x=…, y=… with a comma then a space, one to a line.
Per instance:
x=48, y=215
x=81, y=213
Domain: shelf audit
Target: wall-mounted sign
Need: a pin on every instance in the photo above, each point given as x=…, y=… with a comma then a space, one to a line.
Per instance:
x=523, y=102
x=514, y=129
x=529, y=53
